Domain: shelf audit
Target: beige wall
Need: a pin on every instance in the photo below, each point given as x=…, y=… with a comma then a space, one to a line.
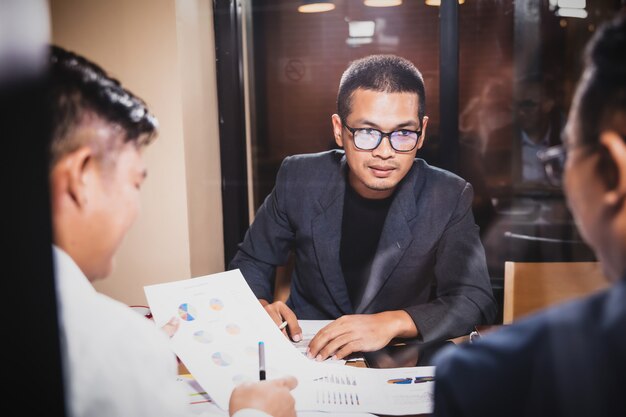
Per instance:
x=200, y=127
x=160, y=50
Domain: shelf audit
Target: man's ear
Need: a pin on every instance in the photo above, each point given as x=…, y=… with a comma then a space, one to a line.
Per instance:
x=420, y=140
x=337, y=130
x=612, y=167
x=76, y=168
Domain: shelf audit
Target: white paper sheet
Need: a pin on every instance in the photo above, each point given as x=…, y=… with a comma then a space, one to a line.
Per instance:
x=217, y=340
x=309, y=330
x=201, y=405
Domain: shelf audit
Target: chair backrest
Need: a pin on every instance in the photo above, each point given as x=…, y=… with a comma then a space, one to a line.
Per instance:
x=532, y=286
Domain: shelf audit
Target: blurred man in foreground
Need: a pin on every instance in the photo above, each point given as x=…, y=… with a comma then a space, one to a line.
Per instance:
x=116, y=362
x=569, y=360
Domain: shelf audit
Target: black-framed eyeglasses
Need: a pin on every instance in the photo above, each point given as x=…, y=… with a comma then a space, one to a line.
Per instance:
x=401, y=140
x=553, y=160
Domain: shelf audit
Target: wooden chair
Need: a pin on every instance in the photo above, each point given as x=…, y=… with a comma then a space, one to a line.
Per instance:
x=532, y=286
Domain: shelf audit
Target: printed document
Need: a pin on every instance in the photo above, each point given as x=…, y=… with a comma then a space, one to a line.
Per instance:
x=221, y=325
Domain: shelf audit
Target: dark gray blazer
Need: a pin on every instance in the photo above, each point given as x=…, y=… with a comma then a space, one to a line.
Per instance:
x=430, y=261
x=567, y=361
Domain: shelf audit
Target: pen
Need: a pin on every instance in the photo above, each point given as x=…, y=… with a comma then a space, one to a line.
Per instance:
x=261, y=361
x=402, y=381
x=282, y=325
x=417, y=380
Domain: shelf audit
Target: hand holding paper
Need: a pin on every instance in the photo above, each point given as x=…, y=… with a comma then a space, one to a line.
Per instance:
x=272, y=397
x=280, y=312
x=171, y=326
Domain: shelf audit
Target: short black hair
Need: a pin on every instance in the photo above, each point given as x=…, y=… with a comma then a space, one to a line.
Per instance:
x=546, y=82
x=600, y=99
x=384, y=73
x=79, y=87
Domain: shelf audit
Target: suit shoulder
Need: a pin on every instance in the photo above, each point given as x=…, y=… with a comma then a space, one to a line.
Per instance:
x=311, y=167
x=439, y=177
x=315, y=160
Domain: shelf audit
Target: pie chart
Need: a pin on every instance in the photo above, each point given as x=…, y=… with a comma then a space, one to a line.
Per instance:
x=203, y=336
x=233, y=329
x=186, y=312
x=216, y=304
x=221, y=359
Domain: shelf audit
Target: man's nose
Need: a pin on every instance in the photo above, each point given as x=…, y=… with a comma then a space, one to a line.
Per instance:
x=384, y=149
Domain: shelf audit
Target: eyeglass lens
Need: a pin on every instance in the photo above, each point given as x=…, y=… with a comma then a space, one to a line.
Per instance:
x=554, y=162
x=554, y=169
x=401, y=140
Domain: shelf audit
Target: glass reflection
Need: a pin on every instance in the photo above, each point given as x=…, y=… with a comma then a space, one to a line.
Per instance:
x=519, y=62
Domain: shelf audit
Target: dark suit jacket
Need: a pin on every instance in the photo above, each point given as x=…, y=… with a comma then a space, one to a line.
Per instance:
x=568, y=361
x=429, y=261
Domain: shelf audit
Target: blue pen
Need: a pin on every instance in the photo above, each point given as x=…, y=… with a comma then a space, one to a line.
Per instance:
x=400, y=381
x=419, y=379
x=261, y=361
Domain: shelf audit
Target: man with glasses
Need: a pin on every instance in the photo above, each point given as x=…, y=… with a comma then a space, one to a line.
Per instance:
x=385, y=245
x=569, y=360
x=511, y=151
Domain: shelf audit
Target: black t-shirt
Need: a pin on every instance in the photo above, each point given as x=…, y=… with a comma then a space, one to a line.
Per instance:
x=362, y=224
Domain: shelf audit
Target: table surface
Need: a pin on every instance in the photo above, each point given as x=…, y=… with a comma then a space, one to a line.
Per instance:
x=396, y=355
x=404, y=354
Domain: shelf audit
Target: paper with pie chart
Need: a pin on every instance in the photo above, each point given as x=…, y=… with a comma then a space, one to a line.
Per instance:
x=221, y=324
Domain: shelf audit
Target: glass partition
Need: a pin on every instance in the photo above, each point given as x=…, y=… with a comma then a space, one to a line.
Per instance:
x=298, y=59
x=518, y=65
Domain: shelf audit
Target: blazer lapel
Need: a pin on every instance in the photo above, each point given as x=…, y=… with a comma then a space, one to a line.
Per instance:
x=394, y=239
x=326, y=233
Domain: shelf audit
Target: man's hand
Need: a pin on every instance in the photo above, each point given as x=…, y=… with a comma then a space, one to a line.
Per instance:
x=272, y=397
x=171, y=326
x=279, y=312
x=360, y=333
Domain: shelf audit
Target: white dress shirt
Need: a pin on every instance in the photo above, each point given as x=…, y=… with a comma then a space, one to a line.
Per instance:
x=116, y=362
x=532, y=167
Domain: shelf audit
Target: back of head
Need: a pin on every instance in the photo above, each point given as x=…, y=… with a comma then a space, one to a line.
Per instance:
x=82, y=89
x=383, y=73
x=596, y=136
x=600, y=100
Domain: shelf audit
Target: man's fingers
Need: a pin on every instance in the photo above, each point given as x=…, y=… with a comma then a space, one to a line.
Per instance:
x=292, y=322
x=280, y=312
x=347, y=349
x=324, y=337
x=171, y=326
x=288, y=382
x=273, y=312
x=335, y=345
x=294, y=329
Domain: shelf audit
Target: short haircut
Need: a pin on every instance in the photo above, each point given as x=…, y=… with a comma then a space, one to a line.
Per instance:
x=600, y=99
x=545, y=82
x=80, y=88
x=383, y=73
